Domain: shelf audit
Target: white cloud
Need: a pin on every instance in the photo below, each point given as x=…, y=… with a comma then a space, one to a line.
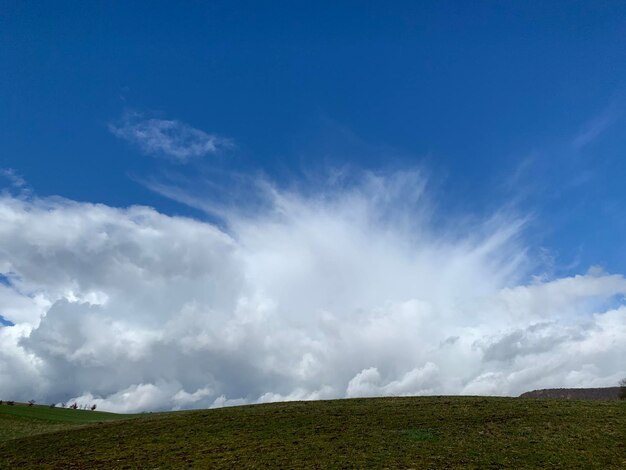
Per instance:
x=16, y=181
x=169, y=138
x=418, y=381
x=347, y=292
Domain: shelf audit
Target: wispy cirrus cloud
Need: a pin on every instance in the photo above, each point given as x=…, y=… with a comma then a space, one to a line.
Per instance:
x=592, y=131
x=595, y=127
x=168, y=138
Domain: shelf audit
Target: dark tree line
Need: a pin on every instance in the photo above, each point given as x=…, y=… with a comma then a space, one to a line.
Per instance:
x=73, y=406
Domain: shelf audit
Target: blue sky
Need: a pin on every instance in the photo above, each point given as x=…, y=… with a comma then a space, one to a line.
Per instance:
x=490, y=97
x=438, y=154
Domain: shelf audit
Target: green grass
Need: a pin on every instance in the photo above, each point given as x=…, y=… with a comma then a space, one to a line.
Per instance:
x=22, y=420
x=420, y=432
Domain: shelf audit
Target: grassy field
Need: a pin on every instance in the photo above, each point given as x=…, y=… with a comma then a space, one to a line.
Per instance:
x=24, y=421
x=420, y=432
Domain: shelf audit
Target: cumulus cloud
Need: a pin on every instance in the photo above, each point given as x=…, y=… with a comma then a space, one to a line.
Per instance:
x=169, y=138
x=354, y=290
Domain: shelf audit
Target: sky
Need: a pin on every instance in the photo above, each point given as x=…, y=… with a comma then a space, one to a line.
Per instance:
x=220, y=203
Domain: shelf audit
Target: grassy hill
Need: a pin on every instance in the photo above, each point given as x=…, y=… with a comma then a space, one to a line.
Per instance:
x=22, y=420
x=605, y=393
x=416, y=432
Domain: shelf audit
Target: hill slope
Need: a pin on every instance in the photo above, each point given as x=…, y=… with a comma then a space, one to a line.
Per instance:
x=22, y=420
x=606, y=393
x=441, y=432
